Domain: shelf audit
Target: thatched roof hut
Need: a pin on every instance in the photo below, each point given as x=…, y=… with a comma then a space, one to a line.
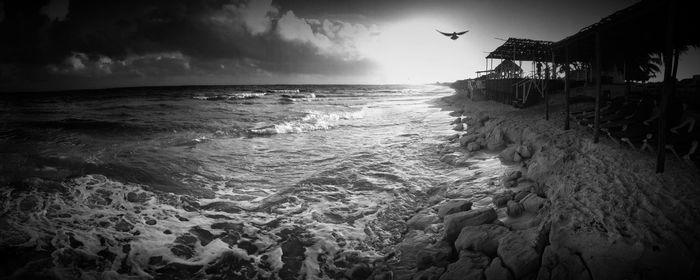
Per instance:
x=508, y=69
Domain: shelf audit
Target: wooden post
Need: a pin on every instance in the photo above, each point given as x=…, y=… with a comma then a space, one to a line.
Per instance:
x=628, y=87
x=676, y=53
x=547, y=73
x=566, y=86
x=668, y=88
x=599, y=88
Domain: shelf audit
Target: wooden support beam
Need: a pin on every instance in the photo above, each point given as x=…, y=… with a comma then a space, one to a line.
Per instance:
x=547, y=73
x=628, y=86
x=566, y=87
x=599, y=88
x=668, y=87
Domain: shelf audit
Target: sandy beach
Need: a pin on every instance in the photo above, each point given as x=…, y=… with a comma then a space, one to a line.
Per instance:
x=566, y=209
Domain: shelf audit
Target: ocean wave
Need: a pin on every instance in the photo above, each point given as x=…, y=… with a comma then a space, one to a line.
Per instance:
x=230, y=96
x=283, y=91
x=297, y=97
x=312, y=121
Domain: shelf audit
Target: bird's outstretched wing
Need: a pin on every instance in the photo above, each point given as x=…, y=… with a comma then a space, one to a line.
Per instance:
x=462, y=33
x=443, y=33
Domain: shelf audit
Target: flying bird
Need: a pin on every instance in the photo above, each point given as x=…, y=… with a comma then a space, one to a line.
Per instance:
x=453, y=35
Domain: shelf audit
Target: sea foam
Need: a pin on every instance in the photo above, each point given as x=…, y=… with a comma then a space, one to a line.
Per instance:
x=313, y=120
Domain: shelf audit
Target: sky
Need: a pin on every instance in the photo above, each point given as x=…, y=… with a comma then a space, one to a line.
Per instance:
x=71, y=44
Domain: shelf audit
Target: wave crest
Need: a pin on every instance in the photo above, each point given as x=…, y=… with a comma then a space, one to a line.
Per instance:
x=312, y=121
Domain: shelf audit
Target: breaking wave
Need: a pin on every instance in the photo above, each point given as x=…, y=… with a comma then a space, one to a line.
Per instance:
x=312, y=121
x=231, y=96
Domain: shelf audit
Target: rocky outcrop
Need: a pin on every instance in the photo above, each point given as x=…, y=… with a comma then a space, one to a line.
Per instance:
x=501, y=199
x=482, y=238
x=413, y=242
x=465, y=139
x=516, y=250
x=473, y=146
x=432, y=273
x=422, y=220
x=454, y=206
x=455, y=222
x=437, y=254
x=496, y=271
x=515, y=153
x=514, y=209
x=532, y=203
x=470, y=266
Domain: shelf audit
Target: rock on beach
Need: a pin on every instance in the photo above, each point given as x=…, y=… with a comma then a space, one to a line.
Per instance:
x=482, y=238
x=454, y=206
x=455, y=222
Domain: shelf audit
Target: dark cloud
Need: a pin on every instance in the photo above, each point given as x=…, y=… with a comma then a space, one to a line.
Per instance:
x=102, y=39
x=54, y=44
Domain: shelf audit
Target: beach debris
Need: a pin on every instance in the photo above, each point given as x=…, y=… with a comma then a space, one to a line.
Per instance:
x=482, y=238
x=455, y=222
x=454, y=206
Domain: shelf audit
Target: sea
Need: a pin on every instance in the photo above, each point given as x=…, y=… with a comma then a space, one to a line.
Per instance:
x=215, y=182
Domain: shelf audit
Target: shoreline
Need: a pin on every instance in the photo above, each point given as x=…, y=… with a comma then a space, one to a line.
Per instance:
x=567, y=208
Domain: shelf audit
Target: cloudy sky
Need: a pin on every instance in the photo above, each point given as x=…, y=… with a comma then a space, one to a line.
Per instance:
x=61, y=44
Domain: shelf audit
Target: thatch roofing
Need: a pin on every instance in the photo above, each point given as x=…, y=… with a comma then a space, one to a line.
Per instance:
x=508, y=65
x=635, y=31
x=523, y=49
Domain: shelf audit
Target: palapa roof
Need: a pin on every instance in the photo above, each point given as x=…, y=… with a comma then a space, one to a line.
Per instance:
x=508, y=65
x=637, y=29
x=523, y=49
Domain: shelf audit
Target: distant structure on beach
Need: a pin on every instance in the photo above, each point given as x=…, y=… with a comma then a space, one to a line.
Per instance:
x=613, y=58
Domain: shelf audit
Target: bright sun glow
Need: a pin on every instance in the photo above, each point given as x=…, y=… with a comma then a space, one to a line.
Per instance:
x=411, y=51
